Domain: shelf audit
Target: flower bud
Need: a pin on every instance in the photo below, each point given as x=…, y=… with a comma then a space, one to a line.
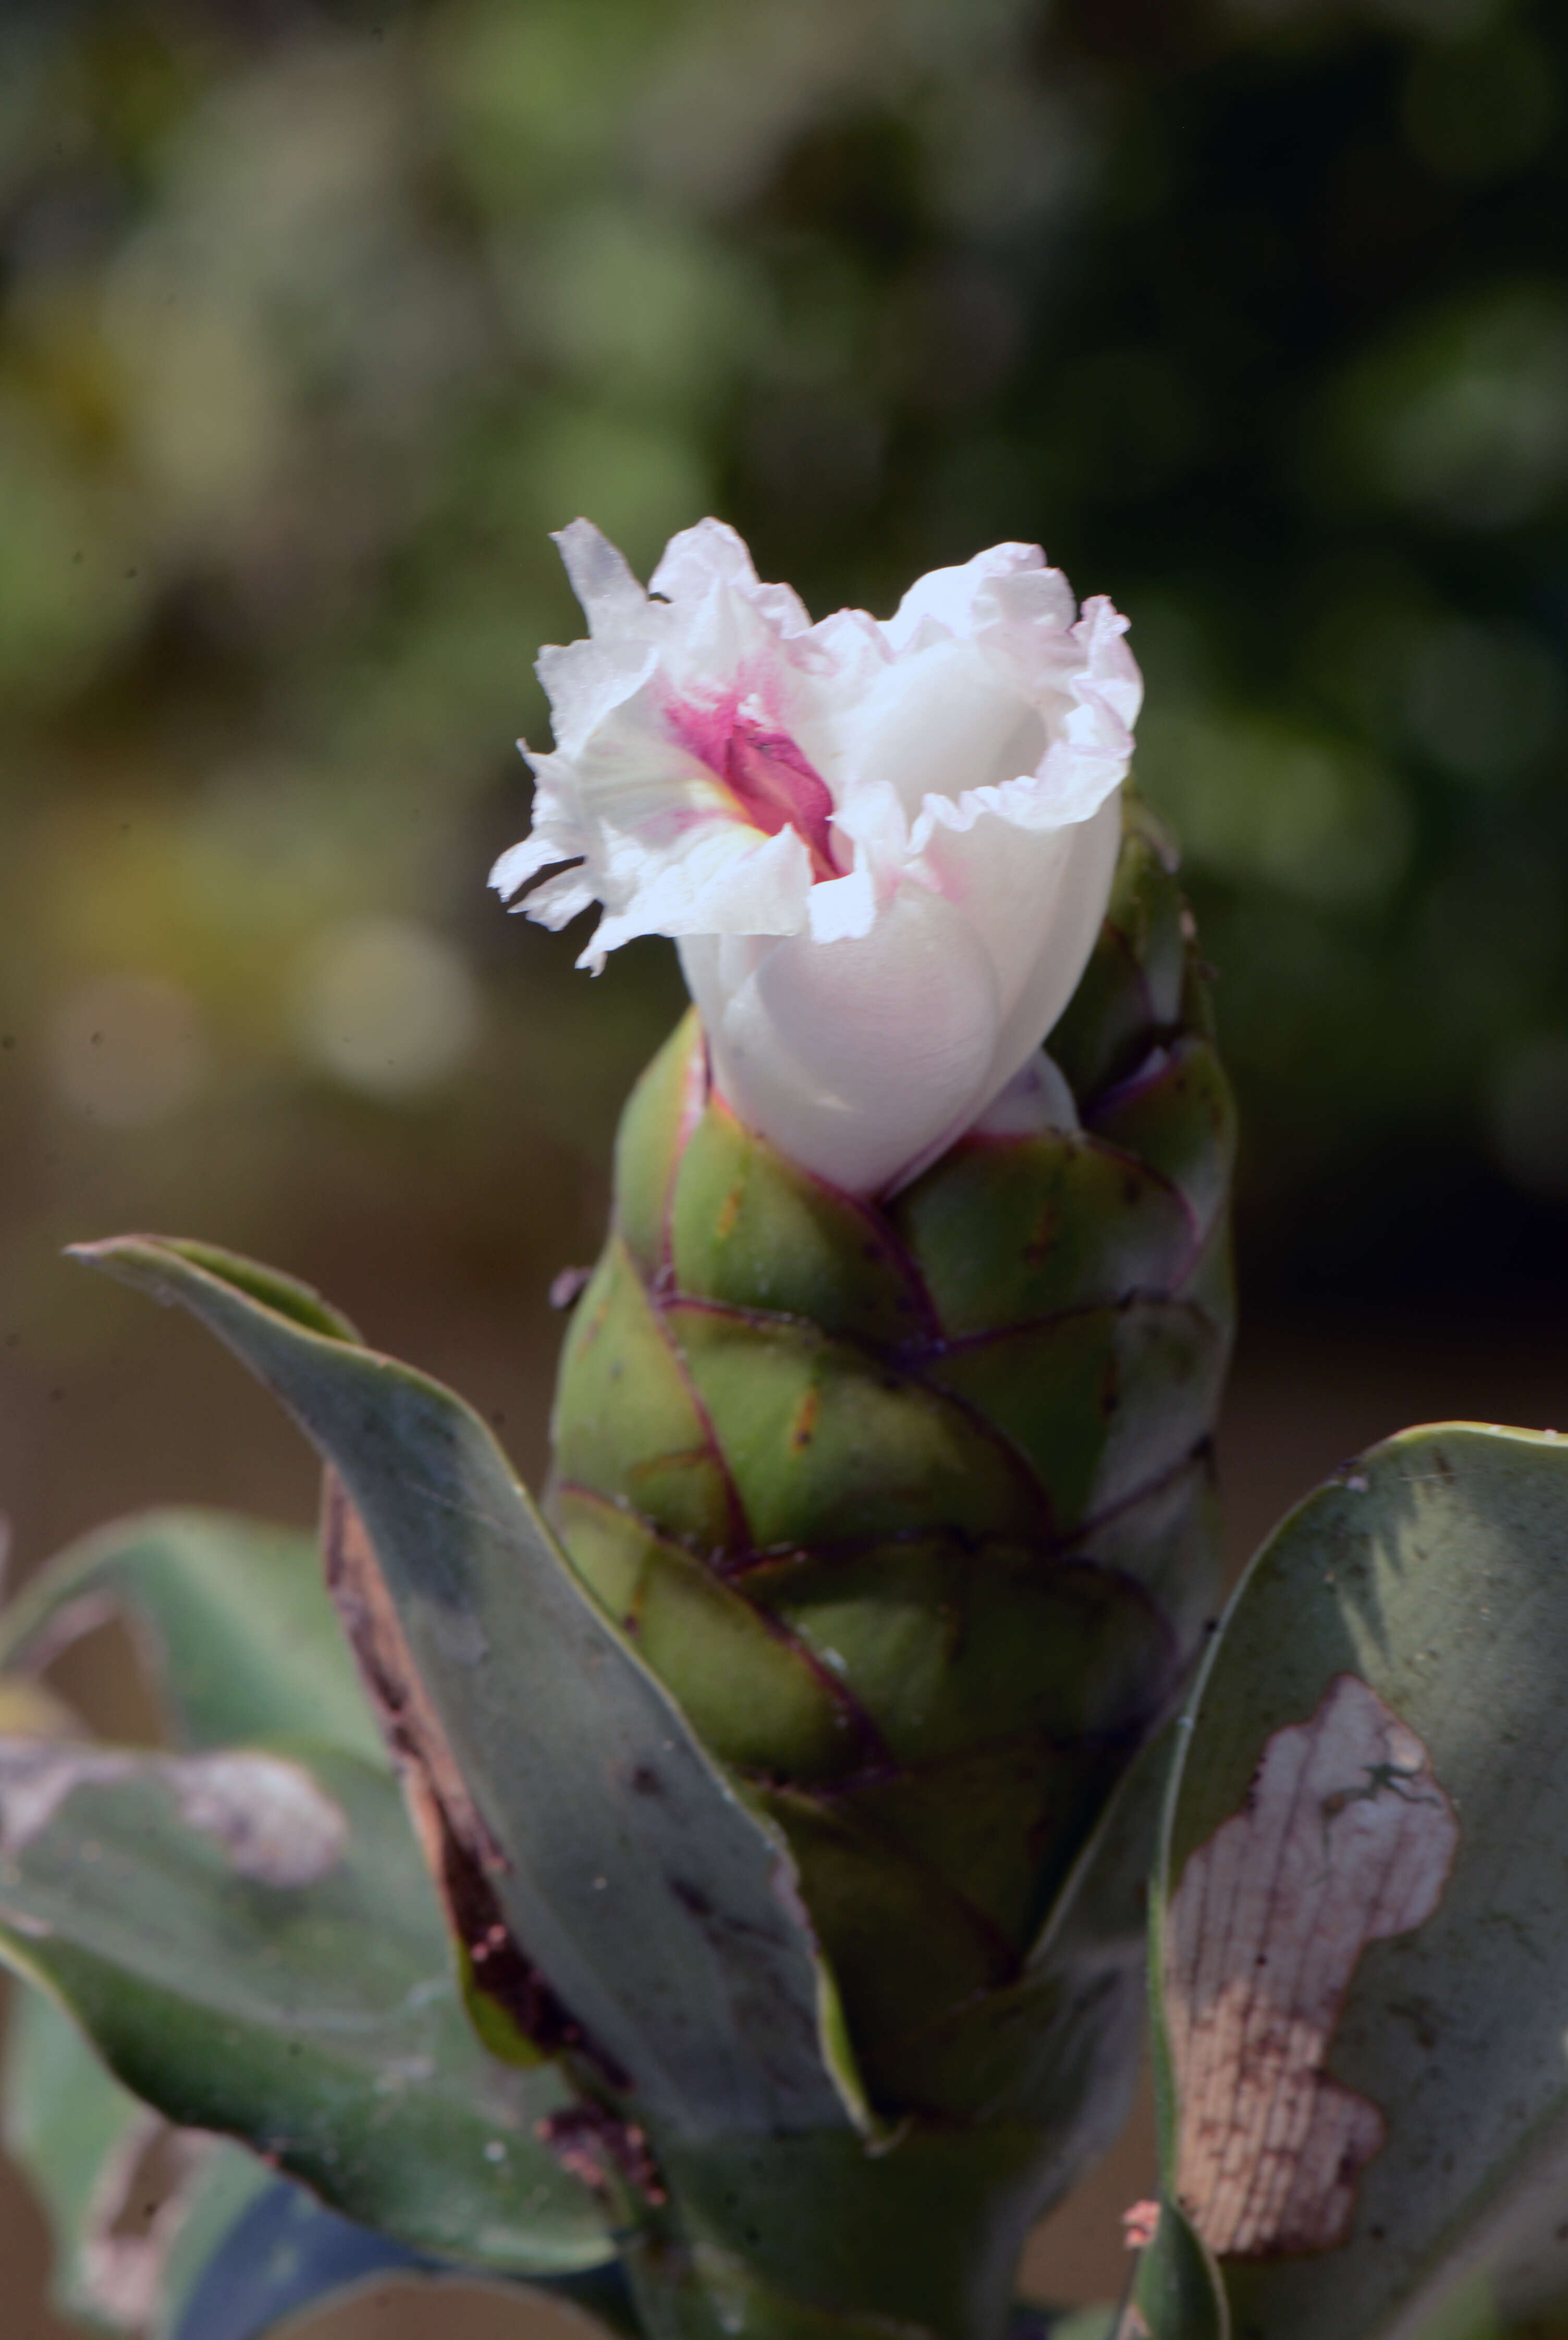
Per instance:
x=885, y=849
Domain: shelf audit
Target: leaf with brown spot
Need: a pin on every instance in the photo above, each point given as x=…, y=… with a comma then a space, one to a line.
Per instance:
x=1344, y=1838
x=311, y=2014
x=726, y=2025
x=1373, y=1798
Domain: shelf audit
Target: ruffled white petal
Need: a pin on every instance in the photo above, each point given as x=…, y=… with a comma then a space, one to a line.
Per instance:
x=1110, y=670
x=587, y=683
x=729, y=882
x=942, y=722
x=699, y=558
x=600, y=578
x=951, y=601
x=711, y=555
x=560, y=899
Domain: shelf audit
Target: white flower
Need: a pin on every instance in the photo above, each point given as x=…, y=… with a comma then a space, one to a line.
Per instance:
x=885, y=849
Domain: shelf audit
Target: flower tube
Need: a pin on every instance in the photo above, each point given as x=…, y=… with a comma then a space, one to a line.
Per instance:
x=884, y=848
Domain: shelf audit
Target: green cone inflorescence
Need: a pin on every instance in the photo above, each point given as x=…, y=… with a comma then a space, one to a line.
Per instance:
x=911, y=1506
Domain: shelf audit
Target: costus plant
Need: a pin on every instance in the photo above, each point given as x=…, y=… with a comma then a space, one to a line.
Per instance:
x=726, y=1897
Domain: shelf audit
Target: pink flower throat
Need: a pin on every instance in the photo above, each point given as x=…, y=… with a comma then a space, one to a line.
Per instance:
x=771, y=781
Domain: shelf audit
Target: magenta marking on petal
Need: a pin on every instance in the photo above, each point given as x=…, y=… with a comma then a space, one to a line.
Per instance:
x=770, y=779
x=705, y=731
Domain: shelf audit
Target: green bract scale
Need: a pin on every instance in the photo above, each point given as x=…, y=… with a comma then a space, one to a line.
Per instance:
x=911, y=1505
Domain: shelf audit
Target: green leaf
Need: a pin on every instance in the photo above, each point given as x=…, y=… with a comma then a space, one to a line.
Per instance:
x=1177, y=1118
x=657, y=1907
x=1362, y=2017
x=271, y=1288
x=251, y=1942
x=234, y=1617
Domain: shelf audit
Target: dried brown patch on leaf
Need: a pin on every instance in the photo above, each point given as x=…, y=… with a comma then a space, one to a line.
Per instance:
x=139, y=2204
x=436, y=1791
x=460, y=1850
x=273, y=1821
x=1346, y=1839
x=270, y=1818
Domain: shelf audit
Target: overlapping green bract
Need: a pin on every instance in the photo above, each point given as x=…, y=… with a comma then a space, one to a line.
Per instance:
x=911, y=1506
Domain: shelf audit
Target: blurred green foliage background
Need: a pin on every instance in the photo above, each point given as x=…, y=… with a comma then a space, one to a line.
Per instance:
x=318, y=317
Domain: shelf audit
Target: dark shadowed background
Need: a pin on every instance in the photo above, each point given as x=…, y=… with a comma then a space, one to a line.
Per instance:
x=317, y=318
